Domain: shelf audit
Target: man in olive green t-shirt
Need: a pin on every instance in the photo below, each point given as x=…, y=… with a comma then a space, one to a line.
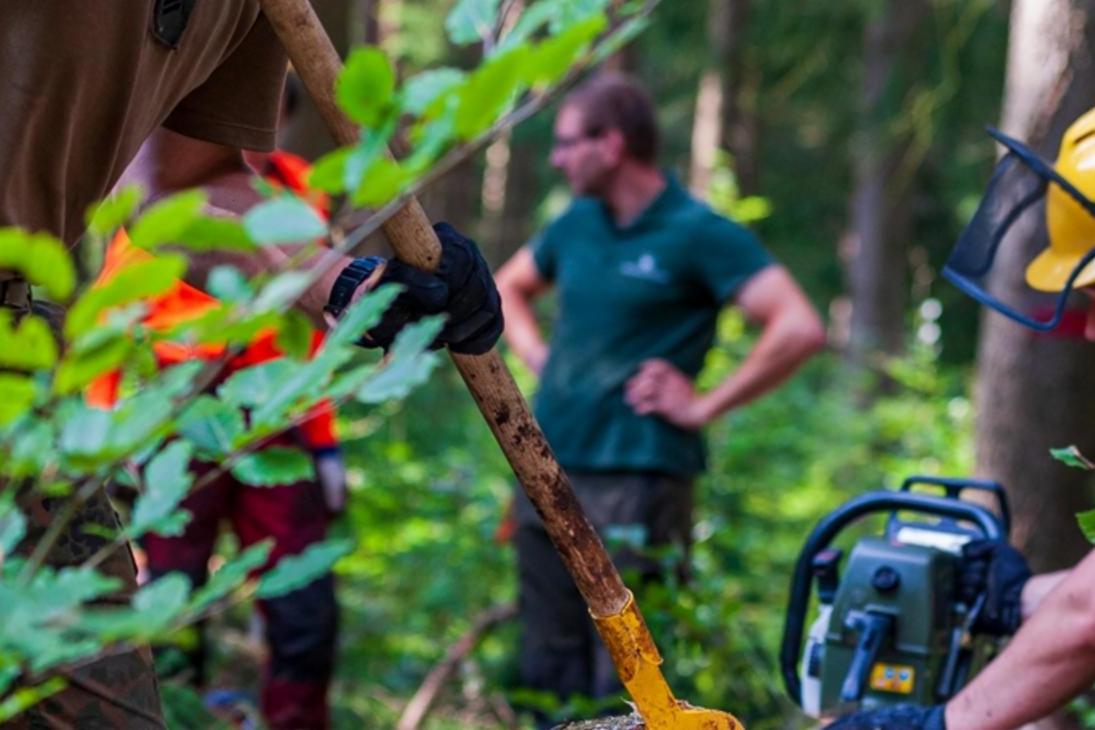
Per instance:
x=641, y=270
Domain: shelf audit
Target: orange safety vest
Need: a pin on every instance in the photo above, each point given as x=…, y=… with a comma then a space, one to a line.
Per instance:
x=184, y=302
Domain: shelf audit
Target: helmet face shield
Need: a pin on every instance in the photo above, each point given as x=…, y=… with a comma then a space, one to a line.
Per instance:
x=1009, y=232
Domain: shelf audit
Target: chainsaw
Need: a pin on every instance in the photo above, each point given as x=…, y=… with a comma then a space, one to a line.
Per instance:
x=891, y=626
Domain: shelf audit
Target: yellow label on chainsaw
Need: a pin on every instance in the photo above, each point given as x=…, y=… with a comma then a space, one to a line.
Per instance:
x=898, y=678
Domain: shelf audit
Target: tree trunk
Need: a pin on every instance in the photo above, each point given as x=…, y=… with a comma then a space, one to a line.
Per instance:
x=874, y=248
x=1035, y=391
x=719, y=120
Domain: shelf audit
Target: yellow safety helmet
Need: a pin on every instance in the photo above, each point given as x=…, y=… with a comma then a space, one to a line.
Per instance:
x=1070, y=226
x=1021, y=183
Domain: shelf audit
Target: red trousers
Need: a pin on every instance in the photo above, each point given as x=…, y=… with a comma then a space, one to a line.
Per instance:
x=301, y=626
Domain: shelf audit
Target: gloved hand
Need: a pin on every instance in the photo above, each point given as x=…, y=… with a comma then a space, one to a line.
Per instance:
x=331, y=475
x=1000, y=571
x=463, y=288
x=898, y=717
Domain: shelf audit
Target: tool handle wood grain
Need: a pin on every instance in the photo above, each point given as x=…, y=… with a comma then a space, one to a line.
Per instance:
x=504, y=408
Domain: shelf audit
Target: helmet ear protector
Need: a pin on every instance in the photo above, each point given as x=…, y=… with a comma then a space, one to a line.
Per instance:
x=1026, y=187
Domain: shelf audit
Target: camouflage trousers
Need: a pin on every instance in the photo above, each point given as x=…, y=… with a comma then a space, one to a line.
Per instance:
x=117, y=692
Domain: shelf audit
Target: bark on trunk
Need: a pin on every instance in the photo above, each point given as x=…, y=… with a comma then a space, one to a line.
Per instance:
x=1035, y=391
x=875, y=246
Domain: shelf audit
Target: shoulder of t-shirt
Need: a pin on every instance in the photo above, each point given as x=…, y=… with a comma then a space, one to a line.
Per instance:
x=707, y=227
x=560, y=228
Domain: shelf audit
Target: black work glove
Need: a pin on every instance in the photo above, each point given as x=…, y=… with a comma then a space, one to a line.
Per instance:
x=898, y=717
x=999, y=571
x=462, y=288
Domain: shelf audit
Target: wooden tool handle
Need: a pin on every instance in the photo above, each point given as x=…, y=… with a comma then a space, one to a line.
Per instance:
x=504, y=408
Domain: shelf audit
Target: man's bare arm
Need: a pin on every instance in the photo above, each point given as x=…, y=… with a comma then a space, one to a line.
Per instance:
x=519, y=283
x=791, y=332
x=1050, y=660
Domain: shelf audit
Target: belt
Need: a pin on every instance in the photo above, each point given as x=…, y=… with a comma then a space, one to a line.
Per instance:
x=15, y=294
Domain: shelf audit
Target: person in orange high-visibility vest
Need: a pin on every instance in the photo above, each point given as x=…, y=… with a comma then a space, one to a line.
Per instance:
x=300, y=626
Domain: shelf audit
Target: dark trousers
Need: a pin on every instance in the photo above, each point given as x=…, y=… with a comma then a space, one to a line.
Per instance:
x=301, y=626
x=634, y=513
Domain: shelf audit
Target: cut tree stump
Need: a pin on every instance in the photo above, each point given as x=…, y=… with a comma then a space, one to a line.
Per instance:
x=628, y=722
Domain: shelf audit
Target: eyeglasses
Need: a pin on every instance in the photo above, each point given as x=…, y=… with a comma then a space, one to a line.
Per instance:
x=565, y=143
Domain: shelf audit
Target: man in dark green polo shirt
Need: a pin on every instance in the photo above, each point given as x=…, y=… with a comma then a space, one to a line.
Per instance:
x=642, y=270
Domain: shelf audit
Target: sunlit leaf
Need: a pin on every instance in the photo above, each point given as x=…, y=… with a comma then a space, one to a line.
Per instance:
x=489, y=91
x=166, y=221
x=297, y=571
x=294, y=336
x=215, y=233
x=111, y=213
x=139, y=281
x=366, y=86
x=550, y=60
x=1086, y=520
x=30, y=345
x=16, y=396
x=40, y=258
x=252, y=386
x=1071, y=456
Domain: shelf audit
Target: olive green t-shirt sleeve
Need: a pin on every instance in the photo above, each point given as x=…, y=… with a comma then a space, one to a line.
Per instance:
x=239, y=103
x=730, y=255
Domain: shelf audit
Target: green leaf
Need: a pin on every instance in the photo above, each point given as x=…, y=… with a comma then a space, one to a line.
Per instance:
x=228, y=284
x=16, y=396
x=489, y=91
x=551, y=59
x=423, y=90
x=79, y=367
x=297, y=571
x=286, y=219
x=362, y=315
x=167, y=479
x=366, y=86
x=139, y=281
x=167, y=220
x=274, y=466
x=32, y=449
x=385, y=181
x=371, y=151
x=231, y=575
x=13, y=524
x=1086, y=521
x=471, y=21
x=163, y=599
x=255, y=385
x=294, y=337
x=24, y=698
x=84, y=431
x=211, y=425
x=534, y=18
x=329, y=172
x=281, y=291
x=28, y=346
x=408, y=365
x=103, y=218
x=1071, y=456
x=214, y=233
x=40, y=258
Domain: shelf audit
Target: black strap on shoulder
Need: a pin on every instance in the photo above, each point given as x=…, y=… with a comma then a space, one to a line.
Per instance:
x=169, y=19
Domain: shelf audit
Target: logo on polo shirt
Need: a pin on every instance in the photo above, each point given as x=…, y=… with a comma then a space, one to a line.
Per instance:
x=646, y=267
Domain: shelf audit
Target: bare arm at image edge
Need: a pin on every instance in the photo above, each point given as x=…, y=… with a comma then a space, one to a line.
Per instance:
x=519, y=283
x=1048, y=662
